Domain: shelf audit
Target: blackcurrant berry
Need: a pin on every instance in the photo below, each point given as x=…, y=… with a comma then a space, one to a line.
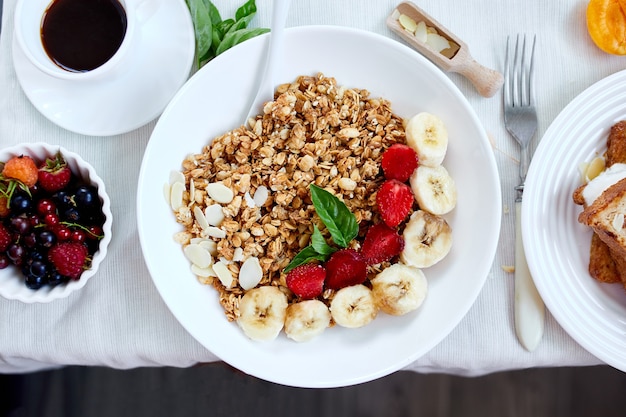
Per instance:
x=47, y=238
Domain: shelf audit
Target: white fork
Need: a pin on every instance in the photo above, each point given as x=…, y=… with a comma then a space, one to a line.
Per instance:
x=520, y=119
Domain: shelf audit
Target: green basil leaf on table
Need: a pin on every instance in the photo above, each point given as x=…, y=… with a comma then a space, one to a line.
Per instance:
x=214, y=35
x=234, y=38
x=337, y=218
x=202, y=25
x=248, y=8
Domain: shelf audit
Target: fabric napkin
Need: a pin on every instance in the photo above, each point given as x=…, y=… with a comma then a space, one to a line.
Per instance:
x=119, y=320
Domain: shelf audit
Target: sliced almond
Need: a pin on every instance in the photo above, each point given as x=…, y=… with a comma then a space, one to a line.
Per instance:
x=261, y=195
x=250, y=273
x=618, y=222
x=215, y=232
x=214, y=214
x=407, y=23
x=176, y=176
x=176, y=195
x=203, y=272
x=167, y=193
x=437, y=42
x=249, y=200
x=200, y=218
x=238, y=255
x=198, y=255
x=421, y=32
x=192, y=190
x=209, y=245
x=223, y=274
x=220, y=193
x=594, y=168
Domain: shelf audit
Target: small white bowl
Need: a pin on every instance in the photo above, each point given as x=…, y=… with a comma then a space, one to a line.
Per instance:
x=12, y=284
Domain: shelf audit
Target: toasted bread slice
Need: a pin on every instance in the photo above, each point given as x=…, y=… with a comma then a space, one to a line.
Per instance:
x=606, y=216
x=601, y=263
x=616, y=144
x=605, y=264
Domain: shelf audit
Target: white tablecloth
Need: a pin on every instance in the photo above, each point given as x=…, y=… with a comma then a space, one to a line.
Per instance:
x=119, y=320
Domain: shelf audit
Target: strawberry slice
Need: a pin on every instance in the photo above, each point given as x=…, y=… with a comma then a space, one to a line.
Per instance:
x=398, y=162
x=345, y=268
x=394, y=200
x=381, y=244
x=54, y=174
x=306, y=281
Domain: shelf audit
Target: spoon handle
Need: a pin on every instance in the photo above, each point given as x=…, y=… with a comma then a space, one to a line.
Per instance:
x=265, y=93
x=486, y=80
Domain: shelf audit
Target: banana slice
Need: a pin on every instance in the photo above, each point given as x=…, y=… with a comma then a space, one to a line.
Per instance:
x=428, y=136
x=262, y=313
x=399, y=289
x=306, y=320
x=353, y=306
x=434, y=189
x=427, y=240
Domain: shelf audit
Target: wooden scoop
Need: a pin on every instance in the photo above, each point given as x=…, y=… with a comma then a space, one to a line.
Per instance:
x=486, y=80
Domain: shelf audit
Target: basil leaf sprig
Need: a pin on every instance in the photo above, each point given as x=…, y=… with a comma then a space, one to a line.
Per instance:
x=339, y=221
x=214, y=35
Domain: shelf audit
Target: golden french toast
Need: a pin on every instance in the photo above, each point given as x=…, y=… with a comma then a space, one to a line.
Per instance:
x=606, y=217
x=607, y=262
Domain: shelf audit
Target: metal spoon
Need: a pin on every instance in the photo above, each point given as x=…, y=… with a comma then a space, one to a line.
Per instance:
x=486, y=80
x=265, y=93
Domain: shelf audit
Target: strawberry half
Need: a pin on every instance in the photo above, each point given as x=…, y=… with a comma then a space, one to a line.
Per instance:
x=69, y=258
x=398, y=162
x=345, y=268
x=381, y=244
x=54, y=174
x=306, y=281
x=394, y=200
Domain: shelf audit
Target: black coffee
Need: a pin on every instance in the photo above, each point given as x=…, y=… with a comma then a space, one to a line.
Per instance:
x=81, y=35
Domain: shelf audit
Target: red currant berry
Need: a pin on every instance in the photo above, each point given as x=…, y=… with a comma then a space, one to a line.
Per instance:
x=63, y=232
x=51, y=219
x=46, y=206
x=95, y=232
x=78, y=236
x=34, y=220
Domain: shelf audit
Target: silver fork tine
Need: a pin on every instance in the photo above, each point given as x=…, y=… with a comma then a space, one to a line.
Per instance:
x=507, y=76
x=531, y=74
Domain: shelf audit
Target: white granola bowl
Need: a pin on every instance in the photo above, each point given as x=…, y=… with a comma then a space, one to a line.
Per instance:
x=12, y=285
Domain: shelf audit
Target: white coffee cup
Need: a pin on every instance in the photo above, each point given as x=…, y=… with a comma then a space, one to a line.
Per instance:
x=28, y=20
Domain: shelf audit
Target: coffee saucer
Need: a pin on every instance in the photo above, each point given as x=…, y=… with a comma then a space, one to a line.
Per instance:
x=158, y=67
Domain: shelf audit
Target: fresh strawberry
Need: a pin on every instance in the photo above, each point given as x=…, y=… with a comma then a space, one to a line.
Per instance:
x=398, y=162
x=54, y=174
x=306, y=281
x=394, y=200
x=5, y=237
x=21, y=168
x=381, y=244
x=69, y=258
x=344, y=268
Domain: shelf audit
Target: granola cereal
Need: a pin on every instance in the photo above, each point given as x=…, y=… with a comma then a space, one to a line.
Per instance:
x=314, y=132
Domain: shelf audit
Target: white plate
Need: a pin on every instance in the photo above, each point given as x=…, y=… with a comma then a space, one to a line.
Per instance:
x=158, y=68
x=215, y=100
x=557, y=246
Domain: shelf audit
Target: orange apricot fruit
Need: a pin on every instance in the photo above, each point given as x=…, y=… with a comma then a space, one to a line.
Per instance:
x=606, y=23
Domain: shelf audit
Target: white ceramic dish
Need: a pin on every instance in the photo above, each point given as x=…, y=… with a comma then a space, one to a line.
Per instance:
x=12, y=284
x=557, y=246
x=132, y=96
x=212, y=102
